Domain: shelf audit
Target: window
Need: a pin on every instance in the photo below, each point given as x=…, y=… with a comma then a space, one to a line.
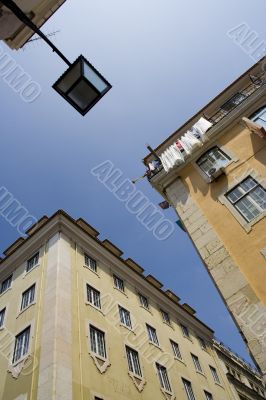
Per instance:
x=165, y=316
x=21, y=345
x=97, y=341
x=97, y=398
x=202, y=343
x=188, y=389
x=2, y=317
x=196, y=363
x=163, y=377
x=125, y=317
x=215, y=375
x=212, y=160
x=249, y=198
x=208, y=395
x=176, y=349
x=144, y=301
x=185, y=331
x=90, y=263
x=133, y=361
x=119, y=283
x=152, y=335
x=6, y=284
x=260, y=117
x=93, y=296
x=233, y=102
x=32, y=262
x=27, y=297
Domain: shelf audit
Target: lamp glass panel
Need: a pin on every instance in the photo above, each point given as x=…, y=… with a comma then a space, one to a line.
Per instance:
x=72, y=75
x=94, y=78
x=83, y=95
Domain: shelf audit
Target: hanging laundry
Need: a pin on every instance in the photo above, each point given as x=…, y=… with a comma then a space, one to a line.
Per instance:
x=179, y=146
x=171, y=157
x=202, y=126
x=190, y=142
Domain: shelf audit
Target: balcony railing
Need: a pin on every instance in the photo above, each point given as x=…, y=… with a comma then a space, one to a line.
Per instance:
x=239, y=98
x=235, y=356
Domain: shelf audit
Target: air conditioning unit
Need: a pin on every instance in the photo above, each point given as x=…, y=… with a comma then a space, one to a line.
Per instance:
x=215, y=172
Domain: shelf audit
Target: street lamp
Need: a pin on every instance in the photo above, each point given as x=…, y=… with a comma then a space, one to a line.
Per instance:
x=81, y=85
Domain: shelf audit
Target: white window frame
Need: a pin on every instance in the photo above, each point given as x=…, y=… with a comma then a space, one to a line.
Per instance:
x=9, y=279
x=152, y=335
x=2, y=317
x=32, y=262
x=196, y=363
x=176, y=350
x=28, y=297
x=97, y=348
x=185, y=331
x=145, y=304
x=256, y=116
x=23, y=353
x=215, y=375
x=166, y=317
x=188, y=389
x=124, y=316
x=237, y=215
x=164, y=378
x=208, y=395
x=134, y=365
x=217, y=164
x=90, y=263
x=117, y=280
x=93, y=296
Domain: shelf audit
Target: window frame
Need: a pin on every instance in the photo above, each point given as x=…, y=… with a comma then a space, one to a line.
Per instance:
x=29, y=268
x=104, y=347
x=129, y=349
x=188, y=389
x=165, y=384
x=256, y=114
x=215, y=375
x=124, y=317
x=164, y=314
x=117, y=279
x=247, y=226
x=208, y=395
x=93, y=302
x=141, y=296
x=151, y=337
x=222, y=151
x=197, y=363
x=177, y=354
x=30, y=300
x=9, y=278
x=185, y=331
x=88, y=265
x=2, y=317
x=15, y=361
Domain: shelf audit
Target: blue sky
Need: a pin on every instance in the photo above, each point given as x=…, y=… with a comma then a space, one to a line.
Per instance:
x=165, y=60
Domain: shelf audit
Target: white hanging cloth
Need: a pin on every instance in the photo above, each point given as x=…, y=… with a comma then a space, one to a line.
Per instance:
x=171, y=157
x=190, y=142
x=201, y=127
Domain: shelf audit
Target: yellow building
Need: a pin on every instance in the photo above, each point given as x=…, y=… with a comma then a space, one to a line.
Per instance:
x=13, y=31
x=79, y=322
x=212, y=171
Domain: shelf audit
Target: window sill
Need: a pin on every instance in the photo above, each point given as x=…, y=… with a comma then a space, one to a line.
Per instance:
x=25, y=309
x=201, y=373
x=32, y=269
x=120, y=291
x=147, y=309
x=128, y=328
x=168, y=324
x=188, y=338
x=155, y=345
x=94, y=272
x=180, y=360
x=2, y=328
x=6, y=291
x=22, y=359
x=219, y=384
x=95, y=308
